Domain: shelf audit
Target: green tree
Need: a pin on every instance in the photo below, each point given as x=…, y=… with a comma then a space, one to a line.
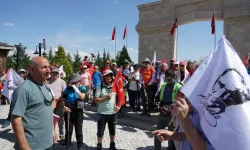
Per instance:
x=77, y=62
x=10, y=63
x=104, y=57
x=61, y=59
x=108, y=56
x=122, y=55
x=70, y=58
x=99, y=61
x=50, y=57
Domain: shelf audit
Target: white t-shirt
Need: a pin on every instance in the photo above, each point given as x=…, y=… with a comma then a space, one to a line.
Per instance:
x=134, y=86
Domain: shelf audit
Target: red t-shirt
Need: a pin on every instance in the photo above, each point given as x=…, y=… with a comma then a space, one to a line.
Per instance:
x=191, y=71
x=91, y=70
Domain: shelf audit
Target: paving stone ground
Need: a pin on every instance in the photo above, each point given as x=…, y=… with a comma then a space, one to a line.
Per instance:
x=128, y=138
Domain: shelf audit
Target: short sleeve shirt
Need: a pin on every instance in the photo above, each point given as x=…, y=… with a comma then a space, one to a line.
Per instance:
x=106, y=107
x=70, y=94
x=58, y=86
x=37, y=118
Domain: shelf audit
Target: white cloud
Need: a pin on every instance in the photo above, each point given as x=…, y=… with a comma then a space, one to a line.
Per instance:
x=9, y=24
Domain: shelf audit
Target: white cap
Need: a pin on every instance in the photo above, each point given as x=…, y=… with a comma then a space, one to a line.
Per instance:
x=146, y=60
x=107, y=72
x=114, y=64
x=85, y=66
x=176, y=63
x=22, y=70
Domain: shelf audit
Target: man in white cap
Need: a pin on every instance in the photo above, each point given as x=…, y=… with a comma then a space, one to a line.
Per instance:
x=58, y=86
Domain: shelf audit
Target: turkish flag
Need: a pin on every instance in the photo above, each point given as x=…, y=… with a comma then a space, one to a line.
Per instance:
x=125, y=32
x=118, y=88
x=213, y=24
x=175, y=25
x=246, y=61
x=113, y=35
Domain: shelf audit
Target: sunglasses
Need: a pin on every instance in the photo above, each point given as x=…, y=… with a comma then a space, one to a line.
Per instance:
x=46, y=101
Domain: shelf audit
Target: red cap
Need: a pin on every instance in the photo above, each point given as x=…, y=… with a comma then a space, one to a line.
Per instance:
x=182, y=63
x=172, y=60
x=107, y=62
x=164, y=61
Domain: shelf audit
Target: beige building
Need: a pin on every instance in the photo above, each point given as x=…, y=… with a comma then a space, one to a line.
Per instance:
x=157, y=18
x=4, y=50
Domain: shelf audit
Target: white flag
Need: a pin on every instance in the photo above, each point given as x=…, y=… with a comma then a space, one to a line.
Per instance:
x=61, y=72
x=11, y=82
x=221, y=95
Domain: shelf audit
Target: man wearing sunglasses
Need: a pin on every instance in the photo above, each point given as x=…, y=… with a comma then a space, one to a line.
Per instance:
x=32, y=113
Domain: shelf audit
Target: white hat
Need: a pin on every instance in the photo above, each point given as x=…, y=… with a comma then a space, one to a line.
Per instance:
x=114, y=64
x=22, y=70
x=176, y=63
x=147, y=60
x=107, y=72
x=85, y=66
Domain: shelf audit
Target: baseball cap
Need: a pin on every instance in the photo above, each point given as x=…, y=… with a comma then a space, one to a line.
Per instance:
x=107, y=62
x=107, y=72
x=85, y=67
x=176, y=63
x=172, y=60
x=126, y=61
x=22, y=70
x=74, y=78
x=55, y=70
x=182, y=63
x=114, y=64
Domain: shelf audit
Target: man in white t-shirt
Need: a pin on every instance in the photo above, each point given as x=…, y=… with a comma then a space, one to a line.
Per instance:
x=134, y=89
x=58, y=86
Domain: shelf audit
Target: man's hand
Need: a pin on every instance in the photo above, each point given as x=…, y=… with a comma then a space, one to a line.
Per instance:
x=54, y=137
x=66, y=109
x=163, y=135
x=117, y=108
x=180, y=109
x=108, y=97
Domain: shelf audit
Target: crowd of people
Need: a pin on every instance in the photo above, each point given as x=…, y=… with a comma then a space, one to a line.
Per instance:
x=154, y=87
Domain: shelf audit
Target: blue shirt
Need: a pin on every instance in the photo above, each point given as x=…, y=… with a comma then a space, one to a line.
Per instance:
x=70, y=94
x=195, y=119
x=96, y=77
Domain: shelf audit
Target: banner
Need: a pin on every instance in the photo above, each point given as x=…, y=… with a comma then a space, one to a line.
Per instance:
x=220, y=91
x=11, y=83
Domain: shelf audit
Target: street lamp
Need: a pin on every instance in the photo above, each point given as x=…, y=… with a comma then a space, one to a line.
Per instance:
x=40, y=46
x=17, y=56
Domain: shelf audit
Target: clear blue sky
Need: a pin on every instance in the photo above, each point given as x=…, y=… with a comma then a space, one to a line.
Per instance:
x=87, y=25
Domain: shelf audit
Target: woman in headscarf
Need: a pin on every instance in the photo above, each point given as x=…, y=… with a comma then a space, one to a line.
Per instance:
x=182, y=73
x=74, y=95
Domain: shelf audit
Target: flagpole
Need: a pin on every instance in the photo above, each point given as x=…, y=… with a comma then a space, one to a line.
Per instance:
x=176, y=43
x=115, y=42
x=214, y=30
x=126, y=35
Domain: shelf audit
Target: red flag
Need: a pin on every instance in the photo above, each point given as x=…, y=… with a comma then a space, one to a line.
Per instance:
x=175, y=25
x=213, y=24
x=53, y=65
x=113, y=35
x=118, y=88
x=246, y=61
x=125, y=32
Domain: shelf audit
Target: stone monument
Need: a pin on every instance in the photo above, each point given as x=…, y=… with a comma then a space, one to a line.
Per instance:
x=157, y=18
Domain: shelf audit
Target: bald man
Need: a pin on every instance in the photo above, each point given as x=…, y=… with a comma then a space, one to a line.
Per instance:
x=32, y=114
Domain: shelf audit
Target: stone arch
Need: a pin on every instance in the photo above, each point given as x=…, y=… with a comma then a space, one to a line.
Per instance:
x=156, y=20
